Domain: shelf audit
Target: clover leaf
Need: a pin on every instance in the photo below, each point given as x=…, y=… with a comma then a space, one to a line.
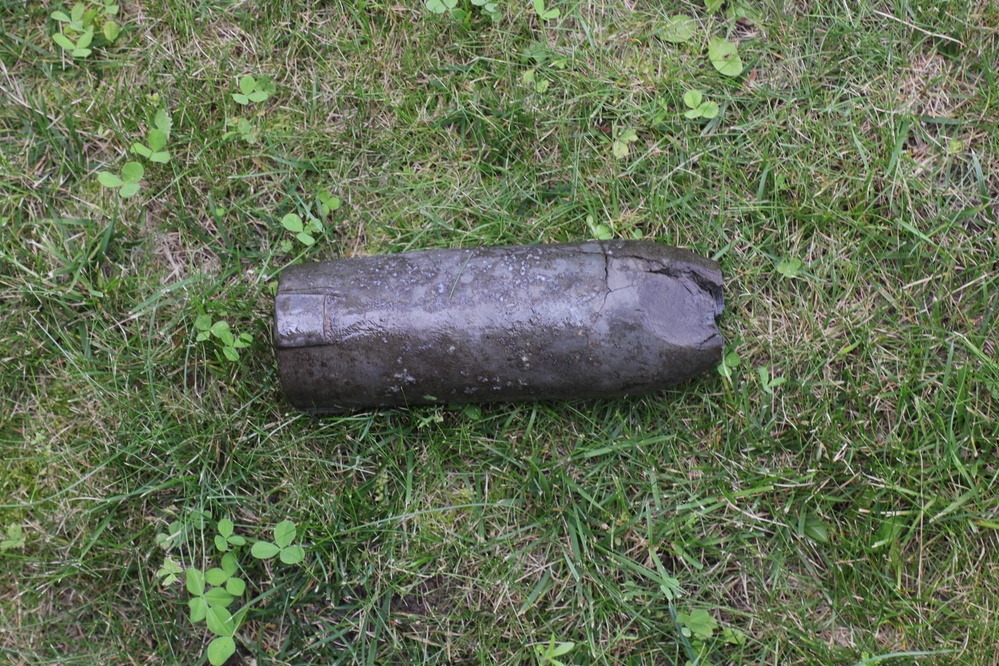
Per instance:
x=620, y=145
x=543, y=13
x=15, y=538
x=225, y=538
x=678, y=29
x=80, y=49
x=441, y=6
x=697, y=107
x=128, y=184
x=253, y=89
x=284, y=535
x=790, y=268
x=220, y=649
x=327, y=202
x=303, y=231
x=698, y=624
x=724, y=56
x=169, y=572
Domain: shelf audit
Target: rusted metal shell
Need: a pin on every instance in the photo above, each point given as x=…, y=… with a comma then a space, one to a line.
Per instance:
x=537, y=322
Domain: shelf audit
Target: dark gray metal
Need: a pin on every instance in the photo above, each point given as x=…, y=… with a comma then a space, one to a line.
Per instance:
x=581, y=320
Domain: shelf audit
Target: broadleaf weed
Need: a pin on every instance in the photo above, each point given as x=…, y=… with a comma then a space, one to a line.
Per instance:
x=14, y=538
x=78, y=28
x=440, y=6
x=489, y=8
x=226, y=341
x=699, y=630
x=127, y=184
x=697, y=106
x=244, y=129
x=599, y=231
x=729, y=363
x=623, y=137
x=169, y=573
x=545, y=13
x=679, y=29
x=253, y=89
x=790, y=267
x=463, y=14
x=539, y=83
x=550, y=653
x=305, y=232
x=327, y=203
x=724, y=56
x=156, y=139
x=214, y=590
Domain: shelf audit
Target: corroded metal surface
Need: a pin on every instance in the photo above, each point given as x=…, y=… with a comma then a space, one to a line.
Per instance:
x=582, y=320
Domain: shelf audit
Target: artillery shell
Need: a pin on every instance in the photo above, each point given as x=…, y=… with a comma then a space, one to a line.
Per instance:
x=539, y=322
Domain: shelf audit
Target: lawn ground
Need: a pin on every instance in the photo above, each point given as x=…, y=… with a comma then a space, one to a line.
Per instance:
x=830, y=499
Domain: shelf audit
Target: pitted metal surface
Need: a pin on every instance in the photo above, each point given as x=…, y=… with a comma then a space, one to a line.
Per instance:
x=581, y=320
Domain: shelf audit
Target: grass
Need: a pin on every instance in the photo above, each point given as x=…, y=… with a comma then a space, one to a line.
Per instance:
x=862, y=140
